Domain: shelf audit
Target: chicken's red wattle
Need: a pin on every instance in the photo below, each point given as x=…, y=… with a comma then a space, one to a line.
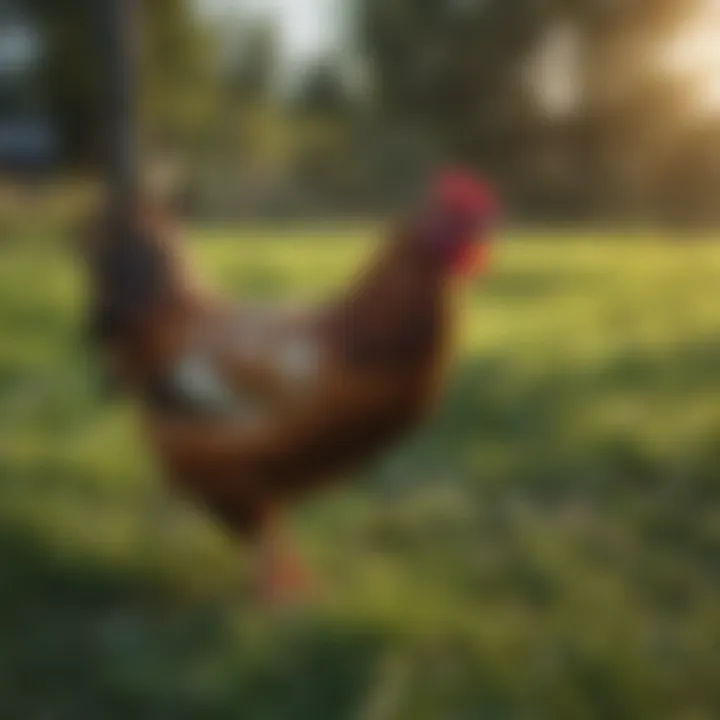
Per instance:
x=471, y=259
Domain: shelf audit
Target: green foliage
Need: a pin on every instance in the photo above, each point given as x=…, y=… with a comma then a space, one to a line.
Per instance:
x=465, y=80
x=178, y=74
x=547, y=548
x=177, y=71
x=469, y=73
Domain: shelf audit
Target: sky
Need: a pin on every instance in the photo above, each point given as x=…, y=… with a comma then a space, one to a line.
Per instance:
x=307, y=27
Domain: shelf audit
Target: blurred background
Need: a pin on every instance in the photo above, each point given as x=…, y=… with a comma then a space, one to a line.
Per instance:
x=549, y=547
x=582, y=111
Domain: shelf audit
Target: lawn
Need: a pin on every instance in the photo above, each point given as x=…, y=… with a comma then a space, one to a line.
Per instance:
x=547, y=548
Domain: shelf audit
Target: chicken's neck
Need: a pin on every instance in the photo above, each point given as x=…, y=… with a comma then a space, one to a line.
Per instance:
x=400, y=313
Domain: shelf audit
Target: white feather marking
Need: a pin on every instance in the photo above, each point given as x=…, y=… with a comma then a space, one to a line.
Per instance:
x=198, y=379
x=299, y=361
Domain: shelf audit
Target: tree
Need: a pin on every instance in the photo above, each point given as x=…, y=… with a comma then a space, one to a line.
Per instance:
x=463, y=71
x=176, y=71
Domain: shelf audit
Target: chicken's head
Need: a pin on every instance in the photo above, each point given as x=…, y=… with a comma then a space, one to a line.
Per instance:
x=463, y=214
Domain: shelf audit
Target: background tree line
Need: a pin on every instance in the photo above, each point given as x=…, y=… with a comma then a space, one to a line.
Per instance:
x=570, y=106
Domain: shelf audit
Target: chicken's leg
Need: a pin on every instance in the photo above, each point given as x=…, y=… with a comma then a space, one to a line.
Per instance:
x=282, y=577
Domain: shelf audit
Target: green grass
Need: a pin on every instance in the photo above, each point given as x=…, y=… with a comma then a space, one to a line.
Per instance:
x=547, y=548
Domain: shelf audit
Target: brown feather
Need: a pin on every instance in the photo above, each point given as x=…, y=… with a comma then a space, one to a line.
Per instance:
x=382, y=350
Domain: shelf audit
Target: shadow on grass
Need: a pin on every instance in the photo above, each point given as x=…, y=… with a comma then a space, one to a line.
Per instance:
x=544, y=421
x=83, y=638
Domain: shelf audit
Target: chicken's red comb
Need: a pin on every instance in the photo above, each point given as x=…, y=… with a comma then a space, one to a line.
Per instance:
x=462, y=190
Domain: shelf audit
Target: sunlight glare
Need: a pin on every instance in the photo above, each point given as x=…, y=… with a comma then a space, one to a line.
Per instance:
x=693, y=54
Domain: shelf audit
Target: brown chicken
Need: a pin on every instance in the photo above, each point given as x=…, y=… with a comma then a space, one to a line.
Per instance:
x=248, y=408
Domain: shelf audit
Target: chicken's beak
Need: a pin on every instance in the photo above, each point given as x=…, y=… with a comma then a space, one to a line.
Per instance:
x=483, y=246
x=481, y=256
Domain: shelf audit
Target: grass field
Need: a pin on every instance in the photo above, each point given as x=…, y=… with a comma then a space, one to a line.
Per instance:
x=548, y=548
